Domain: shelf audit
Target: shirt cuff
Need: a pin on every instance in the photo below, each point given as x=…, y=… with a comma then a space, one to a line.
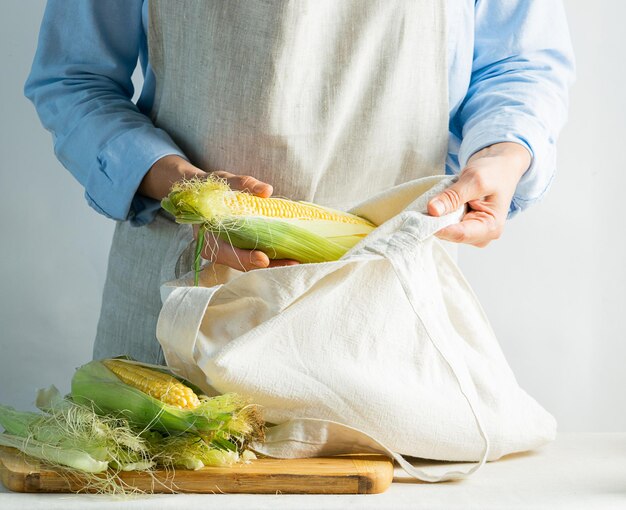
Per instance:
x=111, y=188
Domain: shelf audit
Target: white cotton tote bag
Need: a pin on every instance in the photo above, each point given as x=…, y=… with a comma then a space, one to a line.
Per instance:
x=386, y=349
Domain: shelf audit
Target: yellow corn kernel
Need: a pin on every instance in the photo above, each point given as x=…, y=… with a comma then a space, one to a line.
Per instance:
x=158, y=385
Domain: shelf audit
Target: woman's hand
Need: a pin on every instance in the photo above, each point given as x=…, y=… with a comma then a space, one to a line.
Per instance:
x=486, y=185
x=221, y=252
x=166, y=171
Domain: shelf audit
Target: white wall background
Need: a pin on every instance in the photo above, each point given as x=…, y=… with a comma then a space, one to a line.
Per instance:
x=553, y=286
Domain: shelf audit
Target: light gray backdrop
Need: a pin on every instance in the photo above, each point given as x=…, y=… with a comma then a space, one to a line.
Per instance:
x=553, y=286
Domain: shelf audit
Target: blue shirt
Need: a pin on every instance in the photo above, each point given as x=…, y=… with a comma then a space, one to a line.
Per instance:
x=510, y=64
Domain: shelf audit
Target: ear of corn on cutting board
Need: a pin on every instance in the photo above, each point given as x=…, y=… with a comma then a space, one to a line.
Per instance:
x=356, y=474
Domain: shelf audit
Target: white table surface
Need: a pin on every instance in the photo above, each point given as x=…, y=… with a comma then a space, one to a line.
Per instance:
x=586, y=471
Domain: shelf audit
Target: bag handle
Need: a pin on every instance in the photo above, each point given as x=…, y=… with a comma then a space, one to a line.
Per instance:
x=179, y=322
x=401, y=261
x=311, y=437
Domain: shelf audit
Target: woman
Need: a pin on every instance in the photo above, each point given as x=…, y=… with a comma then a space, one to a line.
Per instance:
x=323, y=101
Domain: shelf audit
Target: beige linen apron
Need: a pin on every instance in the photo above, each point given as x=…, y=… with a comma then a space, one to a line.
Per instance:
x=329, y=101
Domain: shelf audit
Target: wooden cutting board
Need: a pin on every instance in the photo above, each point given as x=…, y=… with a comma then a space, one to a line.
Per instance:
x=353, y=474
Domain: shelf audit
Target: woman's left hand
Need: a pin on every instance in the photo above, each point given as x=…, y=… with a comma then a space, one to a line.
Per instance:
x=486, y=185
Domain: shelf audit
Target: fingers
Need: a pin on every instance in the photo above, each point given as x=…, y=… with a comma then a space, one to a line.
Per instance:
x=487, y=185
x=486, y=210
x=246, y=183
x=468, y=187
x=221, y=252
x=477, y=228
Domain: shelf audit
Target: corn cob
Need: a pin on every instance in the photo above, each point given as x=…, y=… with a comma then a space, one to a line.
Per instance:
x=281, y=228
x=143, y=395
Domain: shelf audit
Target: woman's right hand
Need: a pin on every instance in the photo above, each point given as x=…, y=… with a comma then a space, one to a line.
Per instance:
x=166, y=171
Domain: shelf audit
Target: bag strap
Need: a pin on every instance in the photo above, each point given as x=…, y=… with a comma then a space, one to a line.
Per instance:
x=401, y=261
x=178, y=327
x=398, y=240
x=311, y=437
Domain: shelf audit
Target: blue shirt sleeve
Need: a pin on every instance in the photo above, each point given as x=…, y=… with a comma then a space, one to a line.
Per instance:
x=522, y=68
x=80, y=84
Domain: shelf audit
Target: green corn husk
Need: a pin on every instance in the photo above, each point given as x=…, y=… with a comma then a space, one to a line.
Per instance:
x=93, y=448
x=280, y=239
x=72, y=435
x=72, y=458
x=18, y=423
x=228, y=416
